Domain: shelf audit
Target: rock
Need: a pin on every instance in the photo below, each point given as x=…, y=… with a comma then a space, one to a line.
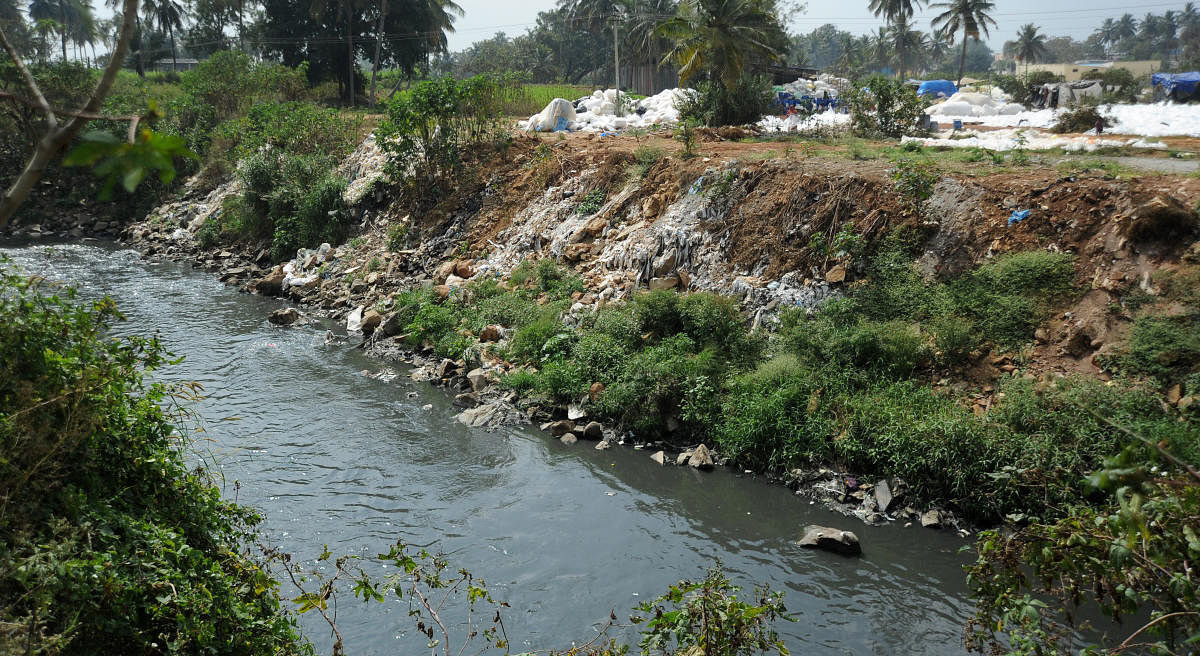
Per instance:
x=931, y=519
x=665, y=263
x=1174, y=393
x=444, y=270
x=479, y=416
x=478, y=378
x=660, y=457
x=441, y=291
x=836, y=274
x=455, y=281
x=568, y=439
x=1186, y=402
x=561, y=427
x=445, y=368
x=354, y=320
x=595, y=391
x=390, y=326
x=463, y=269
x=270, y=284
x=490, y=334
x=669, y=282
x=831, y=539
x=682, y=458
x=593, y=431
x=700, y=458
x=284, y=317
x=370, y=321
x=466, y=400
x=883, y=495
x=603, y=445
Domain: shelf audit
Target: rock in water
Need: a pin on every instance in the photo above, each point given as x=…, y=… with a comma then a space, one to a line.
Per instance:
x=659, y=457
x=701, y=458
x=478, y=378
x=370, y=321
x=931, y=519
x=593, y=430
x=831, y=539
x=284, y=317
x=561, y=427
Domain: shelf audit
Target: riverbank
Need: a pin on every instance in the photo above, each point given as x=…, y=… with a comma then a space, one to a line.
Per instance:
x=780, y=236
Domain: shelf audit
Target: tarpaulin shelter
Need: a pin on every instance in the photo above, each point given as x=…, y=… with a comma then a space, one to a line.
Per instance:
x=935, y=87
x=1177, y=86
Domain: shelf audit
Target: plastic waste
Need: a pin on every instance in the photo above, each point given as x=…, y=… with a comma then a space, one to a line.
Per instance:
x=1018, y=216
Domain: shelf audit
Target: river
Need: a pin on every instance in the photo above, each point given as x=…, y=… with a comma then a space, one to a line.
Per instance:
x=564, y=534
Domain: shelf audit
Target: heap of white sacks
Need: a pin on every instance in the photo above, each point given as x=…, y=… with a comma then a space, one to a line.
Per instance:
x=972, y=104
x=598, y=112
x=824, y=83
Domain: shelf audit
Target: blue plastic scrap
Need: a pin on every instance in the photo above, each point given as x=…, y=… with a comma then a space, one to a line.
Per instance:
x=1018, y=216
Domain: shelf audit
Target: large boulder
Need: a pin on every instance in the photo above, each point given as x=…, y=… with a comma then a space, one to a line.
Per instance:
x=830, y=539
x=270, y=284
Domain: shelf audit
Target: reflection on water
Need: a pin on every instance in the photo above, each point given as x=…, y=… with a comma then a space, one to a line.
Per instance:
x=564, y=534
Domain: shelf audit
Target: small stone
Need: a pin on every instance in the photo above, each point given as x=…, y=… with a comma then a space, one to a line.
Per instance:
x=463, y=269
x=490, y=334
x=836, y=274
x=561, y=427
x=669, y=282
x=603, y=445
x=466, y=400
x=931, y=519
x=831, y=539
x=478, y=378
x=593, y=431
x=284, y=317
x=568, y=439
x=660, y=457
x=701, y=458
x=370, y=321
x=1174, y=394
x=682, y=458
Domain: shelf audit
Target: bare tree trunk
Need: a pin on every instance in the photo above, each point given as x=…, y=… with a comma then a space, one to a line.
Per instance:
x=349, y=52
x=962, y=58
x=58, y=136
x=174, y=54
x=378, y=46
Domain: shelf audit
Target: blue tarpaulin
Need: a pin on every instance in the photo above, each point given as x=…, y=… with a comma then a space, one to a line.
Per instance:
x=934, y=87
x=1180, y=85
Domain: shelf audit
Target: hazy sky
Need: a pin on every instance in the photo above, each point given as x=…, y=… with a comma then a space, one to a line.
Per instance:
x=1075, y=18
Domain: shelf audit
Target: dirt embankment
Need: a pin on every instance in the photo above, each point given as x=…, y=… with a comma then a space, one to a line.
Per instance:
x=629, y=213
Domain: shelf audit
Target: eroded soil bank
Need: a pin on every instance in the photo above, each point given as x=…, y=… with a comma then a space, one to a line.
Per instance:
x=772, y=230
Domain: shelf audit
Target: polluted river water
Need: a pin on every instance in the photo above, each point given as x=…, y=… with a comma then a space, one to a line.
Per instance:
x=337, y=449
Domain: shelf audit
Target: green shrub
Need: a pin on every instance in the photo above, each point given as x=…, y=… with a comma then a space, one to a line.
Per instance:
x=114, y=541
x=431, y=322
x=591, y=203
x=1165, y=348
x=293, y=128
x=1080, y=119
x=529, y=340
x=653, y=385
x=713, y=105
x=884, y=107
x=562, y=381
x=599, y=357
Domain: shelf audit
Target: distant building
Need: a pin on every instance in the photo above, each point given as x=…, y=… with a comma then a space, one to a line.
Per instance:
x=1076, y=71
x=181, y=64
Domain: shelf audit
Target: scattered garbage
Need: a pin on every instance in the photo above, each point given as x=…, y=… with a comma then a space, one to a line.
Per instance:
x=557, y=116
x=605, y=111
x=1018, y=216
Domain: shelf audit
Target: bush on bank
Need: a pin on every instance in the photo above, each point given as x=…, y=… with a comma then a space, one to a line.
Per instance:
x=111, y=543
x=847, y=385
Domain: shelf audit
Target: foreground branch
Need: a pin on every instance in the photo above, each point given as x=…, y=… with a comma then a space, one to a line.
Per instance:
x=56, y=136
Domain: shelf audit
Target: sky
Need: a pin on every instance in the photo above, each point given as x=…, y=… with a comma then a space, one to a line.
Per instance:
x=1074, y=18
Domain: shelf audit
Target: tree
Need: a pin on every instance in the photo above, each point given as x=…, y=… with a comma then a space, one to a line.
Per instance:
x=1126, y=27
x=894, y=11
x=718, y=39
x=971, y=16
x=60, y=133
x=1107, y=32
x=168, y=15
x=1031, y=46
x=296, y=31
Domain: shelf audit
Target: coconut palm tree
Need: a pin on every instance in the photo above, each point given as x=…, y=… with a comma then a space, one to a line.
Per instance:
x=1126, y=27
x=1107, y=33
x=892, y=12
x=719, y=38
x=971, y=16
x=1031, y=46
x=168, y=15
x=879, y=47
x=907, y=44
